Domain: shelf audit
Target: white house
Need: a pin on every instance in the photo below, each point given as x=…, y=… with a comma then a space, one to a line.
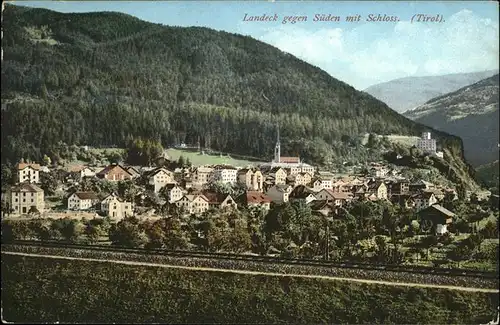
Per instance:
x=115, y=207
x=28, y=173
x=82, y=201
x=424, y=200
x=161, y=177
x=173, y=192
x=224, y=174
x=193, y=204
x=322, y=182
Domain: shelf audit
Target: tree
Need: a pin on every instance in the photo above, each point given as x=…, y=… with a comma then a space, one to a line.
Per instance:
x=49, y=182
x=155, y=233
x=428, y=242
x=459, y=253
x=70, y=230
x=181, y=162
x=15, y=230
x=490, y=230
x=143, y=152
x=239, y=239
x=175, y=236
x=128, y=233
x=46, y=160
x=94, y=230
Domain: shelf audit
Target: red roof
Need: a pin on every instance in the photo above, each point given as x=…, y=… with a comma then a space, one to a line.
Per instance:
x=290, y=160
x=110, y=168
x=86, y=195
x=214, y=198
x=257, y=197
x=21, y=166
x=339, y=195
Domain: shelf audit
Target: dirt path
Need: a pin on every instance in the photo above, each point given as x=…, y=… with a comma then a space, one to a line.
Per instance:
x=331, y=278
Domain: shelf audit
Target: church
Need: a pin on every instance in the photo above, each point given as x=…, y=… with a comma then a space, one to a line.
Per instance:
x=292, y=163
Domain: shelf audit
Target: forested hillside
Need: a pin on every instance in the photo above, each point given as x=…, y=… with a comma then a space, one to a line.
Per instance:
x=103, y=78
x=470, y=113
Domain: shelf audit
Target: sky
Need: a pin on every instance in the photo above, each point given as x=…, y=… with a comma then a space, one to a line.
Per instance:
x=360, y=53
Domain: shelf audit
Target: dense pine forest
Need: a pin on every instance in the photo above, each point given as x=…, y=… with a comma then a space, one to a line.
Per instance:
x=105, y=78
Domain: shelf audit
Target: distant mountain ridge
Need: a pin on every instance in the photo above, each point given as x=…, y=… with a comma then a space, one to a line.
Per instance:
x=471, y=113
x=410, y=92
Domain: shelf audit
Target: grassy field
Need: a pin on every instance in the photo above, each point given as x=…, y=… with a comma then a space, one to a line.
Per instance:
x=401, y=139
x=198, y=159
x=49, y=290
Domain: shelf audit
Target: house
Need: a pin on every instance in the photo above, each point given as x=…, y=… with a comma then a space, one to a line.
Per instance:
x=28, y=173
x=339, y=186
x=302, y=192
x=439, y=194
x=220, y=201
x=379, y=171
x=201, y=176
x=253, y=180
x=323, y=207
x=115, y=207
x=337, y=198
x=421, y=185
x=438, y=216
x=450, y=195
x=133, y=171
x=424, y=200
x=359, y=191
x=161, y=177
x=173, y=192
x=279, y=175
x=82, y=201
x=255, y=199
x=322, y=182
x=400, y=187
x=26, y=198
x=379, y=189
x=224, y=174
x=78, y=172
x=404, y=200
x=114, y=173
x=279, y=193
x=193, y=204
x=299, y=179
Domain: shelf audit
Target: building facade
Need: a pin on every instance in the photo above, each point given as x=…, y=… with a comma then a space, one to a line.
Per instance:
x=26, y=198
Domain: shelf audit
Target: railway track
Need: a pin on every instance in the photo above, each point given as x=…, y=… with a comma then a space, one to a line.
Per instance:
x=263, y=259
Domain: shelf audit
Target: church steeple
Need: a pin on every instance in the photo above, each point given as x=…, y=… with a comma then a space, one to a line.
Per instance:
x=277, y=148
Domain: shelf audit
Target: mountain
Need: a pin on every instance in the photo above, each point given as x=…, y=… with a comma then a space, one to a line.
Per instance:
x=407, y=93
x=103, y=78
x=489, y=174
x=470, y=113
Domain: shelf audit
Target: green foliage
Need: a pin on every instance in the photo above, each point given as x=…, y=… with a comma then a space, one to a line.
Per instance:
x=128, y=232
x=170, y=295
x=143, y=152
x=70, y=230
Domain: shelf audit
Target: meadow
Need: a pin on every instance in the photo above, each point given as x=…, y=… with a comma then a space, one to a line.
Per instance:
x=48, y=290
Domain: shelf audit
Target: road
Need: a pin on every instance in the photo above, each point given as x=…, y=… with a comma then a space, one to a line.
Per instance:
x=330, y=278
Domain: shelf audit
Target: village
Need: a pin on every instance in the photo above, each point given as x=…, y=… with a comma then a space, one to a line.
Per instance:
x=193, y=190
